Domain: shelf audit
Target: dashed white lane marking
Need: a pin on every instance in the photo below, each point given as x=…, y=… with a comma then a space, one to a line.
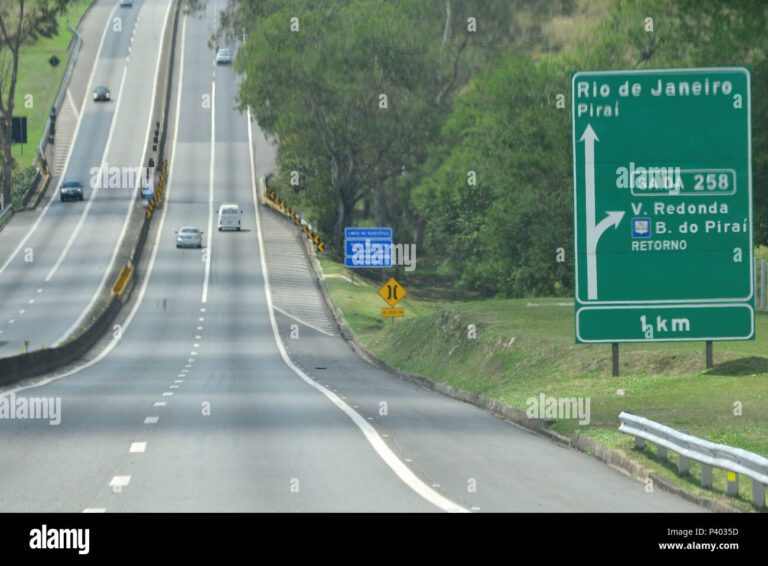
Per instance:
x=167, y=393
x=201, y=319
x=199, y=327
x=22, y=311
x=138, y=447
x=160, y=404
x=190, y=360
x=152, y=420
x=174, y=387
x=120, y=481
x=39, y=290
x=181, y=375
x=193, y=353
x=475, y=508
x=198, y=337
x=178, y=381
x=195, y=345
x=304, y=322
x=12, y=321
x=95, y=510
x=31, y=302
x=188, y=366
x=202, y=309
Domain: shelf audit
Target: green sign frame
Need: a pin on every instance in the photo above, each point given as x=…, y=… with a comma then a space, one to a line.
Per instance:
x=662, y=187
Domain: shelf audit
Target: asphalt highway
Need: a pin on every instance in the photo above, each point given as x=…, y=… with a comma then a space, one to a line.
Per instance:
x=205, y=403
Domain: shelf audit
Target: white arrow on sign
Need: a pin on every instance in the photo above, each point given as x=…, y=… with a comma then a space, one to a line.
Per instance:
x=594, y=231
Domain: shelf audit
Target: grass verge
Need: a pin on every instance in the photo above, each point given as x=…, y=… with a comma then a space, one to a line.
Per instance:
x=38, y=82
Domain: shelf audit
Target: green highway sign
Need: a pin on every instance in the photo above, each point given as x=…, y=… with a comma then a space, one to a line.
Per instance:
x=662, y=181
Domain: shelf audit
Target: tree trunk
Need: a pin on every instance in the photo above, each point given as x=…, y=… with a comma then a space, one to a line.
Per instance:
x=7, y=166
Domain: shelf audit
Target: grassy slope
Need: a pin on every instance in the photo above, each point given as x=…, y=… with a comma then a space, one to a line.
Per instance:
x=38, y=78
x=522, y=351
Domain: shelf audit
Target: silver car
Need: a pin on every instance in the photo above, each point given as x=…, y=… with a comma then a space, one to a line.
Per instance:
x=224, y=56
x=189, y=238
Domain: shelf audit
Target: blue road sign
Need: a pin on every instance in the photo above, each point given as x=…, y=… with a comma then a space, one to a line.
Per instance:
x=368, y=247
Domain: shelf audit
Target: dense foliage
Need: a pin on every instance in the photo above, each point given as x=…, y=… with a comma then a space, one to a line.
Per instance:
x=469, y=155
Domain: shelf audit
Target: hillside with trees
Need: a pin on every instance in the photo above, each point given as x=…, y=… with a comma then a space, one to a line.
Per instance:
x=450, y=121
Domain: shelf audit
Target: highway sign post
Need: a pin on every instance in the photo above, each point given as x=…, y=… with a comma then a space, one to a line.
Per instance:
x=368, y=247
x=662, y=205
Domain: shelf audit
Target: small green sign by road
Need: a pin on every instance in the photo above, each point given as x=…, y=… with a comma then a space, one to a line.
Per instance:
x=663, y=205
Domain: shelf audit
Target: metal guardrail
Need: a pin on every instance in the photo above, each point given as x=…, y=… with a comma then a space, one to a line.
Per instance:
x=62, y=87
x=709, y=454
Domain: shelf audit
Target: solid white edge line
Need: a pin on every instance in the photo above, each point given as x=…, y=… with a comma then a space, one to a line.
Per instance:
x=92, y=197
x=209, y=243
x=131, y=202
x=305, y=323
x=371, y=435
x=104, y=353
x=86, y=98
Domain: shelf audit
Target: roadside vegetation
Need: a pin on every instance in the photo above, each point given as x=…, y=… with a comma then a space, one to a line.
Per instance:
x=468, y=156
x=40, y=80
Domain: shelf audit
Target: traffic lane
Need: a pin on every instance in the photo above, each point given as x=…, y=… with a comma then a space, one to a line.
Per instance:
x=94, y=249
x=104, y=406
x=121, y=26
x=91, y=29
x=45, y=246
x=458, y=446
x=20, y=281
x=231, y=125
x=52, y=468
x=64, y=226
x=267, y=441
x=195, y=117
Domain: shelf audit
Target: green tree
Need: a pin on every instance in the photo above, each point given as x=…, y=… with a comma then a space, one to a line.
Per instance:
x=20, y=23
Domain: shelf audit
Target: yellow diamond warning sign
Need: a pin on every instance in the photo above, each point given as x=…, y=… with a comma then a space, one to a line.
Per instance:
x=392, y=292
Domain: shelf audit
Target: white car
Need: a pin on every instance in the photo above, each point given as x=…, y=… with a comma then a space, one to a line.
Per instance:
x=189, y=238
x=224, y=56
x=229, y=217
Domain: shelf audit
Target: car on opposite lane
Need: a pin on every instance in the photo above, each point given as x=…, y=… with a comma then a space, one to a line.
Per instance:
x=70, y=189
x=189, y=237
x=101, y=93
x=126, y=3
